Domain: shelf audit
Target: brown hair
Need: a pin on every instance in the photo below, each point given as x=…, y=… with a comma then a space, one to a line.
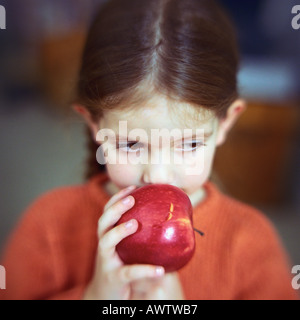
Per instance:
x=183, y=49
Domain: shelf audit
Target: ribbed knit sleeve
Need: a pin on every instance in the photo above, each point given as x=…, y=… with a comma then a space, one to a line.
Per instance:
x=260, y=265
x=28, y=259
x=50, y=254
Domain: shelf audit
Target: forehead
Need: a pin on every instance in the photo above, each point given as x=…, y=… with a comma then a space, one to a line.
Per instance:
x=160, y=113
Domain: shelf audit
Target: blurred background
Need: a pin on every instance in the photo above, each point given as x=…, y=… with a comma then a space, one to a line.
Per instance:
x=43, y=143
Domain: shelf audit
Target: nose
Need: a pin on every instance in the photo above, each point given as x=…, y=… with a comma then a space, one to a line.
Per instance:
x=158, y=173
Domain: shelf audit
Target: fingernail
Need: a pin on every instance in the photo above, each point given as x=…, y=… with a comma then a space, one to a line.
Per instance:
x=159, y=271
x=126, y=200
x=129, y=224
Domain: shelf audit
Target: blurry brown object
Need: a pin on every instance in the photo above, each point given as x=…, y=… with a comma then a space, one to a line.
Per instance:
x=60, y=60
x=254, y=165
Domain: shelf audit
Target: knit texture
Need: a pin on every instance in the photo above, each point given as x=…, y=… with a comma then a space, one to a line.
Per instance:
x=51, y=253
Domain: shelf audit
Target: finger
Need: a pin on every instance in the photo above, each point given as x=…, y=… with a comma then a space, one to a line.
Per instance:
x=112, y=215
x=156, y=293
x=132, y=273
x=119, y=195
x=107, y=244
x=145, y=285
x=168, y=288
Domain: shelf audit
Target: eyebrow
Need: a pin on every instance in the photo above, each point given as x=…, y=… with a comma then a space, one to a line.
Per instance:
x=193, y=137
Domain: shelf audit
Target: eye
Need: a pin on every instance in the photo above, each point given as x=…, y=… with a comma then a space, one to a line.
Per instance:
x=130, y=146
x=190, y=146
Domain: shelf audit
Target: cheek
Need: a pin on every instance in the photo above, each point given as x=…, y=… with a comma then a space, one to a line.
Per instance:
x=208, y=160
x=123, y=175
x=195, y=176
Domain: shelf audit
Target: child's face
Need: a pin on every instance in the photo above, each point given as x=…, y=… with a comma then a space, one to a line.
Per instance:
x=187, y=159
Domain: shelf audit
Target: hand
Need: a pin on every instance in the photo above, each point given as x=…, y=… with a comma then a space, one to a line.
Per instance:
x=167, y=287
x=112, y=279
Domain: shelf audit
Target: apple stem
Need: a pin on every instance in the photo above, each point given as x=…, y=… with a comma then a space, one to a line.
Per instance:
x=200, y=232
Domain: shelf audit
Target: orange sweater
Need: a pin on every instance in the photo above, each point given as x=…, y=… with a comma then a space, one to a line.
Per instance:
x=52, y=251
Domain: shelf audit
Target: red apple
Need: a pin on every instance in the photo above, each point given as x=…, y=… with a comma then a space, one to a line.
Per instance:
x=165, y=234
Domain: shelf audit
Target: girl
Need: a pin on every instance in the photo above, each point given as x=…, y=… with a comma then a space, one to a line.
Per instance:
x=154, y=65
